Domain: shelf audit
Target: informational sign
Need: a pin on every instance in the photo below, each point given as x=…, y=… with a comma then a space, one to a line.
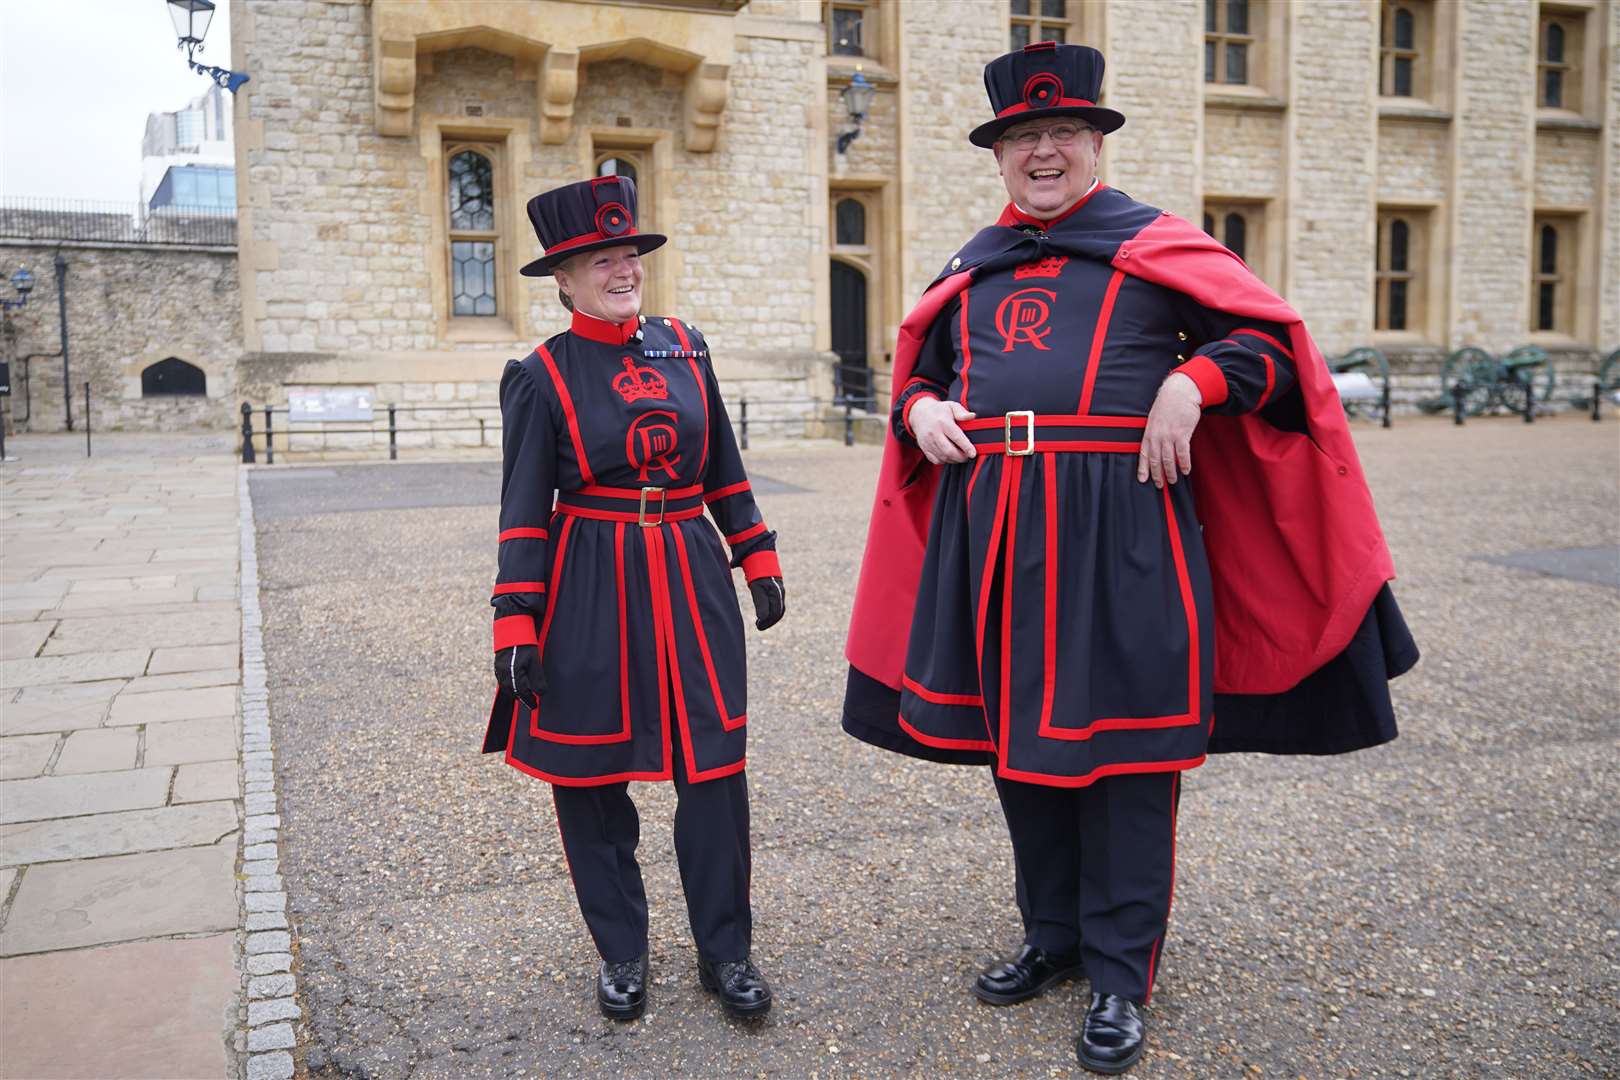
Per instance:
x=334, y=404
x=5, y=378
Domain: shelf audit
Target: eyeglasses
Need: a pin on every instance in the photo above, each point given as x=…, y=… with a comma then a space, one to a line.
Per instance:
x=1060, y=134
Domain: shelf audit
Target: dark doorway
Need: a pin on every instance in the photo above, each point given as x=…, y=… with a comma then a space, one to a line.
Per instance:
x=854, y=380
x=173, y=378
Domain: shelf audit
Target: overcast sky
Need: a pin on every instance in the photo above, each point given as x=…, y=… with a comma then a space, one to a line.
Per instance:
x=77, y=78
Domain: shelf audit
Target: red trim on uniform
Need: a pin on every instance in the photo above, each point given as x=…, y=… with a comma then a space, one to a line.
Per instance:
x=603, y=330
x=520, y=534
x=1122, y=768
x=726, y=492
x=1271, y=380
x=588, y=238
x=986, y=576
x=905, y=414
x=1050, y=572
x=967, y=351
x=942, y=743
x=626, y=515
x=514, y=630
x=703, y=391
x=556, y=571
x=761, y=564
x=1267, y=338
x=972, y=479
x=624, y=629
x=634, y=494
x=986, y=423
x=1098, y=336
x=519, y=587
x=1068, y=446
x=747, y=534
x=1024, y=107
x=568, y=411
x=1210, y=380
x=1012, y=215
x=647, y=539
x=1170, y=901
x=726, y=720
x=936, y=697
x=1012, y=477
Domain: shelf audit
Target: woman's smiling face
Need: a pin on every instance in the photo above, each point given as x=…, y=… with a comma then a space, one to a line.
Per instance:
x=605, y=282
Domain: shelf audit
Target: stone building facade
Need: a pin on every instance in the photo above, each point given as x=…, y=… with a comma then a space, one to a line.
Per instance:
x=1414, y=174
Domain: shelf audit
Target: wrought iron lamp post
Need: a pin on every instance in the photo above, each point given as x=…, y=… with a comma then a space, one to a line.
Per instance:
x=191, y=19
x=858, y=100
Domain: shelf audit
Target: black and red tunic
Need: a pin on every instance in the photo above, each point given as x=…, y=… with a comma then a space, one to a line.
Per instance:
x=1064, y=617
x=622, y=582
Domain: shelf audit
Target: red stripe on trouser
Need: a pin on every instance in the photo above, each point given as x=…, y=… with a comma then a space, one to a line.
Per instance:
x=1175, y=806
x=1012, y=476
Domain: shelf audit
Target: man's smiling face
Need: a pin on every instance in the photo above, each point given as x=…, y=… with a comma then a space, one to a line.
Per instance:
x=1048, y=164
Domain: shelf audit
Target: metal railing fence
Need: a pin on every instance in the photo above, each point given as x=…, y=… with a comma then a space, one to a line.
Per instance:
x=30, y=218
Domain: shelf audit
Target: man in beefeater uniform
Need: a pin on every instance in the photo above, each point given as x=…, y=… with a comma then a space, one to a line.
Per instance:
x=1052, y=599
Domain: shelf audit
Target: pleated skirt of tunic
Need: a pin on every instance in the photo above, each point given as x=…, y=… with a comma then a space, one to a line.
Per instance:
x=641, y=643
x=1064, y=620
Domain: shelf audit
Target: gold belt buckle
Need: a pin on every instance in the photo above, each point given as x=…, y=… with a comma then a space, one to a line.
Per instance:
x=641, y=511
x=1029, y=433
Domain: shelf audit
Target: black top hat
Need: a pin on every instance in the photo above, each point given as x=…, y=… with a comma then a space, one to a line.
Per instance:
x=585, y=216
x=1044, y=79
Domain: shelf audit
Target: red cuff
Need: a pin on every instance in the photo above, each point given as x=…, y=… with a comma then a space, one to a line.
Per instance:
x=761, y=564
x=905, y=414
x=1208, y=376
x=511, y=630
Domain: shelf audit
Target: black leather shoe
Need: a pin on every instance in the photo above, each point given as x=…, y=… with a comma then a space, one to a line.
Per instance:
x=1111, y=1038
x=742, y=989
x=621, y=989
x=1027, y=975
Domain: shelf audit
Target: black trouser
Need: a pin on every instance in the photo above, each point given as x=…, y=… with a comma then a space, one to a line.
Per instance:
x=600, y=830
x=1096, y=871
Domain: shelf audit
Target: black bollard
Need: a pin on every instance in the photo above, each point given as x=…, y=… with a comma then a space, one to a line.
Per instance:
x=1597, y=400
x=849, y=423
x=1457, y=392
x=1386, y=403
x=743, y=420
x=86, y=419
x=393, y=435
x=269, y=438
x=1529, y=401
x=247, y=434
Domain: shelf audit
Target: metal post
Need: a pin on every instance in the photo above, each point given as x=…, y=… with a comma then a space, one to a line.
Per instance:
x=1529, y=400
x=1597, y=400
x=1457, y=391
x=743, y=420
x=87, y=419
x=849, y=423
x=393, y=430
x=480, y=432
x=269, y=438
x=61, y=316
x=247, y=434
x=1386, y=403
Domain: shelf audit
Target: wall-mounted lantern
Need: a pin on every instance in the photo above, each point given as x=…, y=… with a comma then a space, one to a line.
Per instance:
x=857, y=97
x=191, y=19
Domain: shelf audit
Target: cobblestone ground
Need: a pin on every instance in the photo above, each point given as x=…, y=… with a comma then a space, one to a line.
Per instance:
x=1444, y=906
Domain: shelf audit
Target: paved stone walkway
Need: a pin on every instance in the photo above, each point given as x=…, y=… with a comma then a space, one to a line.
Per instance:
x=120, y=807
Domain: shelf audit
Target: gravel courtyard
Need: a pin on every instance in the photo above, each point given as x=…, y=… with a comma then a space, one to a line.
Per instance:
x=1443, y=906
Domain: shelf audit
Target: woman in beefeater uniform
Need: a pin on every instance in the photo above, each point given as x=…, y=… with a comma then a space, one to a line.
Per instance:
x=618, y=642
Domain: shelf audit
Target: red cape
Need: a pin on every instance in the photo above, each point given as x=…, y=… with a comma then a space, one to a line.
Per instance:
x=1294, y=545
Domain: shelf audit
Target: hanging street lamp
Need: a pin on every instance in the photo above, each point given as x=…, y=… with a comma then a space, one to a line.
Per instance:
x=857, y=98
x=191, y=19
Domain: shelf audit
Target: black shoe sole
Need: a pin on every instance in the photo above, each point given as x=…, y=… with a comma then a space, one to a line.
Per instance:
x=1108, y=1068
x=741, y=1012
x=991, y=997
x=622, y=1012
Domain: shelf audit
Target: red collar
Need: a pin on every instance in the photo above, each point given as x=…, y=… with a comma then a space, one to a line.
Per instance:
x=608, y=333
x=1014, y=216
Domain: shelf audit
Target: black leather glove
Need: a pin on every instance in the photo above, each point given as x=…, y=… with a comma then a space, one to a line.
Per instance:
x=770, y=601
x=519, y=673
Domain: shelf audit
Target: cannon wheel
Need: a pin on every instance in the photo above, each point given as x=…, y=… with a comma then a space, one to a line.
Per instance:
x=1378, y=370
x=1609, y=373
x=1529, y=362
x=1478, y=371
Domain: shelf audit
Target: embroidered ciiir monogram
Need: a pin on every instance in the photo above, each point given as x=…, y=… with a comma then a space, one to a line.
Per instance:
x=635, y=383
x=1045, y=268
x=1022, y=318
x=650, y=444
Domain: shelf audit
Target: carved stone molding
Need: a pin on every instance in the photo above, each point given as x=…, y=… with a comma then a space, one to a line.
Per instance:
x=706, y=91
x=558, y=86
x=396, y=85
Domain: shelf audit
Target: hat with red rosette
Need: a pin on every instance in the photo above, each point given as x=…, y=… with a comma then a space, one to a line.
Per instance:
x=1044, y=79
x=585, y=216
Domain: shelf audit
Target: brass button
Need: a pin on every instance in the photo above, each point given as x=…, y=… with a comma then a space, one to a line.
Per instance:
x=955, y=263
x=1181, y=335
x=1183, y=359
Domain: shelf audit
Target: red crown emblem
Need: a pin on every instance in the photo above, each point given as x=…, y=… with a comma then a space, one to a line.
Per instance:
x=635, y=383
x=1045, y=268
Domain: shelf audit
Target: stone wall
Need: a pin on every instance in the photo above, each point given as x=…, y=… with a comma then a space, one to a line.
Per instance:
x=1414, y=161
x=1155, y=77
x=128, y=307
x=1333, y=135
x=1609, y=217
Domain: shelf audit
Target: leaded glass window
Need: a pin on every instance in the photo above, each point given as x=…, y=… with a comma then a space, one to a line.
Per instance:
x=1227, y=41
x=471, y=193
x=851, y=223
x=1039, y=20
